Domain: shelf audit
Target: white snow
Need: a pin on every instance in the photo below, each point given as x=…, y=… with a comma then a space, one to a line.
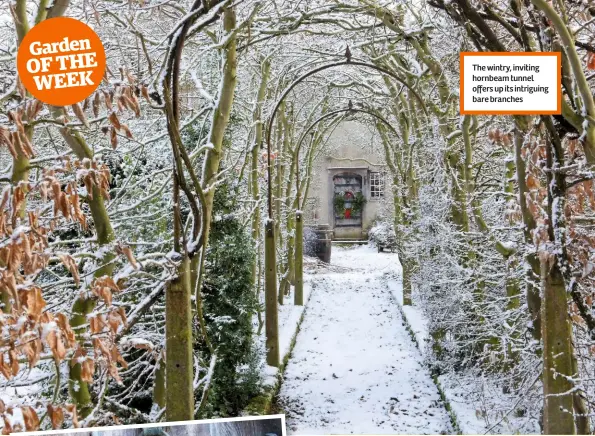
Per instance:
x=414, y=317
x=478, y=404
x=24, y=387
x=354, y=368
x=288, y=317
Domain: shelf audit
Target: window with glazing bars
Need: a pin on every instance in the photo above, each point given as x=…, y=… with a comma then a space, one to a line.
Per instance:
x=376, y=185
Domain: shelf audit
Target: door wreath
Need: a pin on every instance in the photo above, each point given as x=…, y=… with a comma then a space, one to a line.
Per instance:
x=347, y=204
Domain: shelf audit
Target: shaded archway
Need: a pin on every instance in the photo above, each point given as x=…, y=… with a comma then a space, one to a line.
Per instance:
x=271, y=312
x=299, y=282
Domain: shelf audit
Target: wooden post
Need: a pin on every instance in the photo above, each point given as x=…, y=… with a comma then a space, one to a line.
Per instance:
x=270, y=294
x=298, y=297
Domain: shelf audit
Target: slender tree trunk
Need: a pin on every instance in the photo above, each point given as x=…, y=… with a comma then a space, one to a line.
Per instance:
x=219, y=124
x=84, y=305
x=78, y=389
x=407, y=273
x=20, y=165
x=513, y=286
x=574, y=60
x=299, y=259
x=258, y=127
x=271, y=321
x=214, y=155
x=179, y=337
x=533, y=272
x=20, y=169
x=159, y=392
x=284, y=154
x=394, y=164
x=283, y=134
x=178, y=346
x=466, y=194
x=291, y=203
x=557, y=351
x=288, y=267
x=560, y=347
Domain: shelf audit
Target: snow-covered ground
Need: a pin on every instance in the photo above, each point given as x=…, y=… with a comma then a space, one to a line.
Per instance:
x=354, y=368
x=288, y=317
x=477, y=400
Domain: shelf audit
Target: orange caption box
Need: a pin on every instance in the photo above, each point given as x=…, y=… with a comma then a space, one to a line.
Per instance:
x=465, y=54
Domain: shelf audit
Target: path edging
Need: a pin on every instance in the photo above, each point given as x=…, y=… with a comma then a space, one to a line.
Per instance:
x=451, y=413
x=262, y=404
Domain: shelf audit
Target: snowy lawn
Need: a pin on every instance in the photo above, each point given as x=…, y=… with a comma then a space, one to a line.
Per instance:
x=354, y=368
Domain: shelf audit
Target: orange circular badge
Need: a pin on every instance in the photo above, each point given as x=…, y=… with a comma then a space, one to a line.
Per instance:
x=61, y=61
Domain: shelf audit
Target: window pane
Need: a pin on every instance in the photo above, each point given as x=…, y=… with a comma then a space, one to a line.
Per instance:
x=376, y=185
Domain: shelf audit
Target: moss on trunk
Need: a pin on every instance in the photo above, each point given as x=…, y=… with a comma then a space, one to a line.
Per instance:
x=178, y=346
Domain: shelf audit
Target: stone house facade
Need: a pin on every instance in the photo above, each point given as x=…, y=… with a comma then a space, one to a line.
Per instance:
x=349, y=168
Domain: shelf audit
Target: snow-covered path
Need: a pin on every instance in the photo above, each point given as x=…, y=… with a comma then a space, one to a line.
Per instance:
x=354, y=368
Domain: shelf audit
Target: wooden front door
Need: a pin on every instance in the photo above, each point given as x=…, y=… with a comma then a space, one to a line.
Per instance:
x=347, y=187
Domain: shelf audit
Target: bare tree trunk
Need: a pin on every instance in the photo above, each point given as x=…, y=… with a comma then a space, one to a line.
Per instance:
x=557, y=351
x=21, y=164
x=84, y=305
x=219, y=124
x=178, y=346
x=258, y=127
x=534, y=272
x=283, y=152
x=395, y=166
x=288, y=267
x=179, y=337
x=159, y=392
x=78, y=389
x=575, y=63
x=271, y=321
x=298, y=299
